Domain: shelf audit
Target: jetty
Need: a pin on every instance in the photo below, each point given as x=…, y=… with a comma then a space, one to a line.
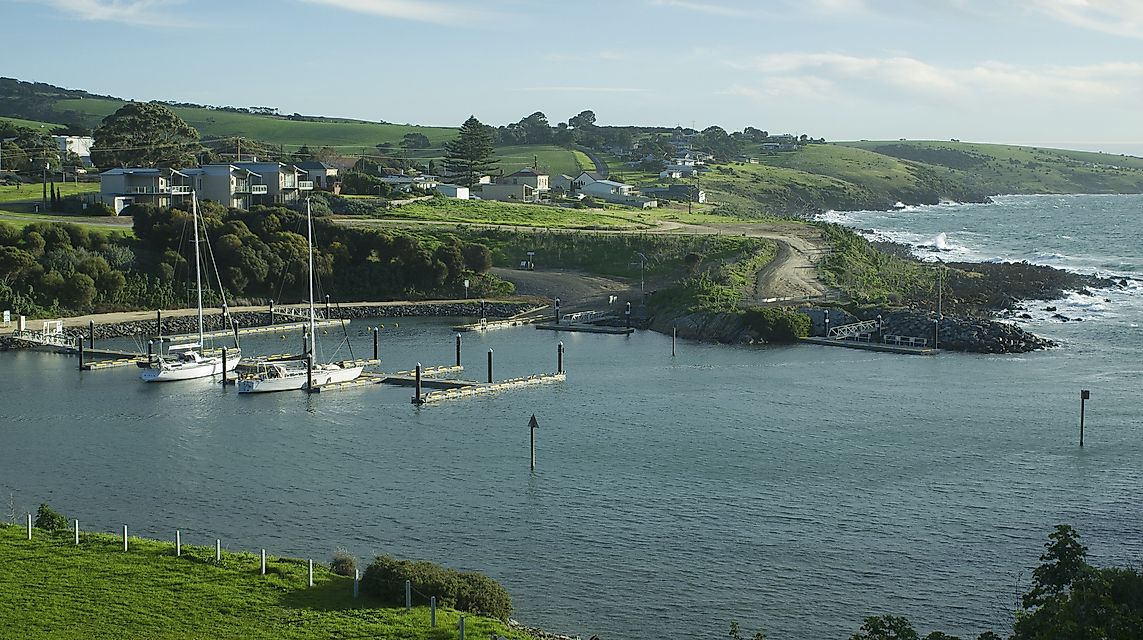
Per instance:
x=872, y=346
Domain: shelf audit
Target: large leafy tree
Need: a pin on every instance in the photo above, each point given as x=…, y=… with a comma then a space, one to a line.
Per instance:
x=145, y=134
x=470, y=155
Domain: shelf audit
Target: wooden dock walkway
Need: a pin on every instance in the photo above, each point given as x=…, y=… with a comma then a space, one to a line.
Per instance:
x=873, y=346
x=484, y=388
x=579, y=327
x=489, y=325
x=401, y=378
x=260, y=329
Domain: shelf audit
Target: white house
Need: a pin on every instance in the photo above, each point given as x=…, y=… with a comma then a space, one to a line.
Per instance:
x=323, y=176
x=668, y=173
x=509, y=192
x=453, y=191
x=538, y=181
x=121, y=188
x=617, y=192
x=284, y=181
x=409, y=183
x=679, y=171
x=79, y=145
x=227, y=184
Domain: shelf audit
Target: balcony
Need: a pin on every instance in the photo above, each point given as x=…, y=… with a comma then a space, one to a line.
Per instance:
x=180, y=190
x=305, y=185
x=259, y=189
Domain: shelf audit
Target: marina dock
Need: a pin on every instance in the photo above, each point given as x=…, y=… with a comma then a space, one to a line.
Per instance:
x=580, y=327
x=872, y=346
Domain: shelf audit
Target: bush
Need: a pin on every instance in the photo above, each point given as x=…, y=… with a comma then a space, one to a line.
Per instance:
x=49, y=520
x=465, y=591
x=343, y=564
x=777, y=325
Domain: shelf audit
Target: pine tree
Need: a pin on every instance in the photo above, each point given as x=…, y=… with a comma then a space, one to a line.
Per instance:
x=470, y=155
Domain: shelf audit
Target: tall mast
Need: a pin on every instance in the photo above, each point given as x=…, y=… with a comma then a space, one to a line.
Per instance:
x=310, y=242
x=197, y=268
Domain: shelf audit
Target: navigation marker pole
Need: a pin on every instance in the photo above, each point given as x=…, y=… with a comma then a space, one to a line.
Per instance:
x=1085, y=395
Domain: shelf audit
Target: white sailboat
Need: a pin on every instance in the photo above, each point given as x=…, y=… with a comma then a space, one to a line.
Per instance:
x=296, y=374
x=188, y=361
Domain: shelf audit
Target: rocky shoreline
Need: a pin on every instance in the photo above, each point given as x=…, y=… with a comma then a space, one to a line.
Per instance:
x=188, y=324
x=955, y=333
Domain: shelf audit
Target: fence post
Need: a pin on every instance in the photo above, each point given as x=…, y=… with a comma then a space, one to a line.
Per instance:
x=408, y=595
x=178, y=542
x=218, y=551
x=263, y=562
x=29, y=526
x=462, y=628
x=433, y=612
x=356, y=583
x=77, y=532
x=124, y=537
x=311, y=581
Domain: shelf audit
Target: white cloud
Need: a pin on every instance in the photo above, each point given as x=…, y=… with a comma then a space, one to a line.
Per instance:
x=138, y=12
x=559, y=89
x=1117, y=17
x=415, y=10
x=712, y=8
x=876, y=78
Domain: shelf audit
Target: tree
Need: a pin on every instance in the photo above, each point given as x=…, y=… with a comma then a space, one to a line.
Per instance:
x=582, y=120
x=145, y=134
x=415, y=141
x=470, y=155
x=886, y=628
x=49, y=520
x=536, y=129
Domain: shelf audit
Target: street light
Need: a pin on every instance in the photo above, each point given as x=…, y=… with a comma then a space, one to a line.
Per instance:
x=466, y=288
x=642, y=265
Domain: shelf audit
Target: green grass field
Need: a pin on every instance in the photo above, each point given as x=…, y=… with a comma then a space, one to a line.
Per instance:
x=53, y=589
x=34, y=192
x=550, y=158
x=345, y=136
x=31, y=124
x=508, y=214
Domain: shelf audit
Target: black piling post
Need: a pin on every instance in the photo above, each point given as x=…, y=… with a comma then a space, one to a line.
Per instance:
x=150, y=350
x=417, y=399
x=827, y=323
x=490, y=366
x=557, y=310
x=271, y=312
x=627, y=316
x=375, y=344
x=305, y=342
x=327, y=306
x=79, y=344
x=90, y=334
x=532, y=425
x=159, y=324
x=1085, y=395
x=674, y=338
x=235, y=333
x=224, y=367
x=483, y=314
x=309, y=372
x=936, y=333
x=560, y=358
x=879, y=338
x=458, y=349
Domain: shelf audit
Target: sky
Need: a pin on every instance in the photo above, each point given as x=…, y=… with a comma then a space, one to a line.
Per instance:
x=1044, y=72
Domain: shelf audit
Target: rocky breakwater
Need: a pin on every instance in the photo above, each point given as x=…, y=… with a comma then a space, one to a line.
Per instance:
x=962, y=333
x=188, y=324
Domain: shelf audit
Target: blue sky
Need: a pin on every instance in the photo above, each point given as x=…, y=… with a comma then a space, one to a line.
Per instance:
x=1067, y=72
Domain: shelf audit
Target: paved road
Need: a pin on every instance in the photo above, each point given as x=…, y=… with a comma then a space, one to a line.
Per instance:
x=601, y=168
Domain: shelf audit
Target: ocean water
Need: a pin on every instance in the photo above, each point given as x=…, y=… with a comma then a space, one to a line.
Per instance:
x=793, y=489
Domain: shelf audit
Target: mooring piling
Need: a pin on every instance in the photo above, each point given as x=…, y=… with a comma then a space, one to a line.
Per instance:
x=560, y=358
x=224, y=367
x=235, y=324
x=305, y=341
x=1085, y=395
x=79, y=346
x=879, y=336
x=557, y=310
x=309, y=372
x=375, y=344
x=532, y=426
x=490, y=366
x=271, y=312
x=150, y=350
x=90, y=334
x=327, y=306
x=627, y=315
x=674, y=338
x=458, y=349
x=159, y=324
x=417, y=398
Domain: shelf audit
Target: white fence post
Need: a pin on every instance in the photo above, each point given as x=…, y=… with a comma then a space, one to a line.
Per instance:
x=462, y=628
x=178, y=542
x=311, y=573
x=29, y=526
x=218, y=551
x=124, y=537
x=77, y=532
x=356, y=582
x=263, y=562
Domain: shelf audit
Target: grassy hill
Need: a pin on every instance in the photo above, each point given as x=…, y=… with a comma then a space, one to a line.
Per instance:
x=550, y=158
x=54, y=589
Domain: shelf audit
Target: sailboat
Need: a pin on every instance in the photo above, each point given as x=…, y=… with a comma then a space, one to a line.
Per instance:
x=189, y=361
x=298, y=374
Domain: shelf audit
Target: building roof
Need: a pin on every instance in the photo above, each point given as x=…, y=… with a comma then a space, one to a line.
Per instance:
x=313, y=166
x=611, y=183
x=139, y=171
x=526, y=173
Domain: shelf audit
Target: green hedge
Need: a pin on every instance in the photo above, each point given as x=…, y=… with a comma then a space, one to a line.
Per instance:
x=774, y=324
x=465, y=591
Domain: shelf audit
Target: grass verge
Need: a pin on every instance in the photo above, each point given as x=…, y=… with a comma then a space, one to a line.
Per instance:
x=54, y=589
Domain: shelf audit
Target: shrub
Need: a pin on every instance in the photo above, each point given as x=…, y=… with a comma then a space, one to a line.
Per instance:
x=465, y=591
x=343, y=564
x=49, y=520
x=777, y=325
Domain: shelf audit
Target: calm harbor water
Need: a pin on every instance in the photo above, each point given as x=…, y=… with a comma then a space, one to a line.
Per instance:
x=794, y=489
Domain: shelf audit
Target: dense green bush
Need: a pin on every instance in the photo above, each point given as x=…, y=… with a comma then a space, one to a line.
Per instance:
x=774, y=324
x=465, y=591
x=49, y=520
x=343, y=564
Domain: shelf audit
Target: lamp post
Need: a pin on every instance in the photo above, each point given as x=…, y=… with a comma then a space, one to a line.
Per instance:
x=466, y=288
x=642, y=267
x=47, y=165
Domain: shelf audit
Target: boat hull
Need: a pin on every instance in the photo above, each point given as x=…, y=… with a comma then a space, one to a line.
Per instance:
x=329, y=374
x=173, y=371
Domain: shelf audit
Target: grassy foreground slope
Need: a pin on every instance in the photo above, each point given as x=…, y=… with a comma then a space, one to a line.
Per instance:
x=212, y=123
x=53, y=589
